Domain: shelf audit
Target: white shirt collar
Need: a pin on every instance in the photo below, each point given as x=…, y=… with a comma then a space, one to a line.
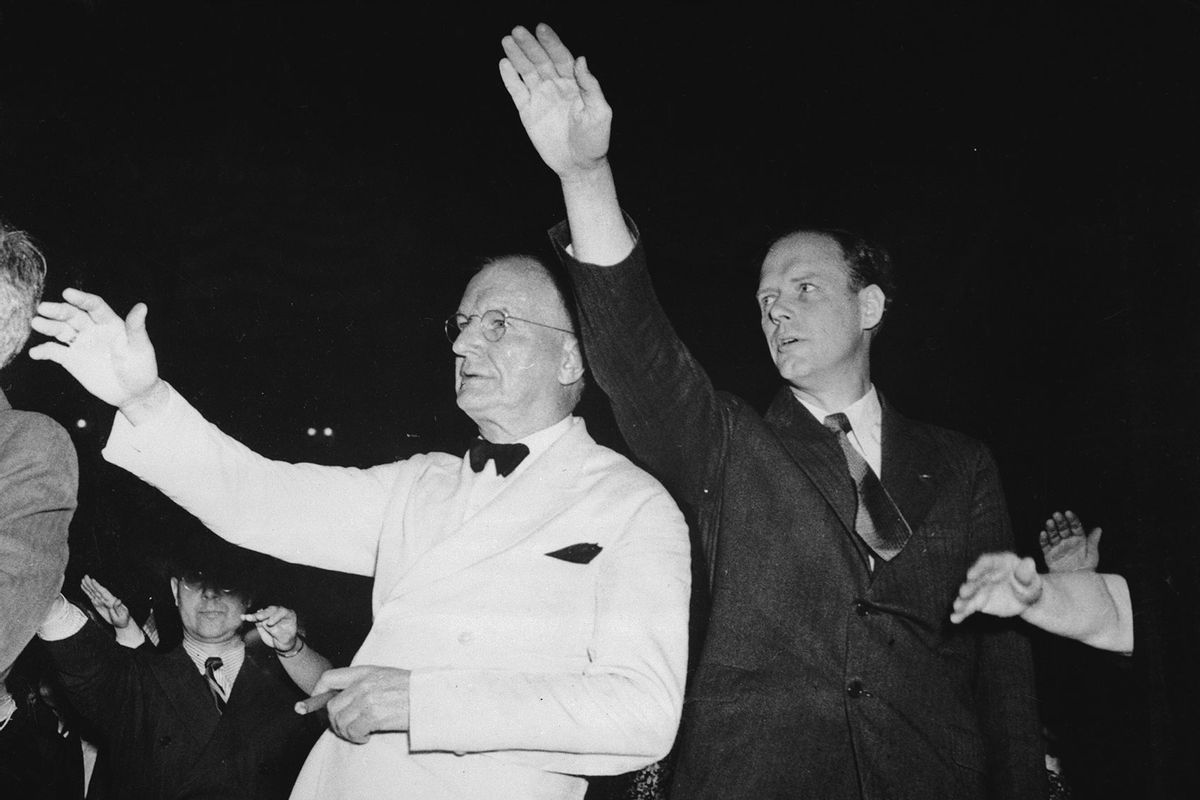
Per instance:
x=866, y=424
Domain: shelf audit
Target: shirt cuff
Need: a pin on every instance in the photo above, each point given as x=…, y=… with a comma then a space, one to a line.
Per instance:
x=62, y=621
x=127, y=440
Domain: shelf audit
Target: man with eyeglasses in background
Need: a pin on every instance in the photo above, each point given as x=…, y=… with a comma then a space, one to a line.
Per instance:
x=530, y=598
x=210, y=718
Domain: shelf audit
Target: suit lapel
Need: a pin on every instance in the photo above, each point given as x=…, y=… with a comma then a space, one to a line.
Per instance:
x=816, y=452
x=186, y=691
x=531, y=497
x=911, y=467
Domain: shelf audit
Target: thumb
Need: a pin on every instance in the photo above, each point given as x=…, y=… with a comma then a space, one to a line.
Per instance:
x=588, y=85
x=135, y=326
x=1025, y=571
x=1094, y=536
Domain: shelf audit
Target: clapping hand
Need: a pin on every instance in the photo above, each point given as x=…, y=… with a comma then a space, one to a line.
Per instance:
x=1000, y=584
x=1066, y=547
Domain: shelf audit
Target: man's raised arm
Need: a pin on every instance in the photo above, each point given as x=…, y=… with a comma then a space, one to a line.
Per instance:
x=568, y=122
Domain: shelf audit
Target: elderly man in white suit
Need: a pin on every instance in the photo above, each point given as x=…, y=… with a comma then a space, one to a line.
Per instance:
x=528, y=629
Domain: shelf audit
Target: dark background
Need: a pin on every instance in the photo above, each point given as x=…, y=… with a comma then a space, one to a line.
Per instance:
x=299, y=189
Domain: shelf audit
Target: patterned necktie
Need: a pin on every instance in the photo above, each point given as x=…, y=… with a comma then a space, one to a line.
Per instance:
x=878, y=521
x=506, y=456
x=211, y=665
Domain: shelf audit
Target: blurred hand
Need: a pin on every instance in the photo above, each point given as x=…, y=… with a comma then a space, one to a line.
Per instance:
x=1000, y=584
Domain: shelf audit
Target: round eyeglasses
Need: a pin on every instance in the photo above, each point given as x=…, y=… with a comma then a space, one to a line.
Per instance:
x=492, y=324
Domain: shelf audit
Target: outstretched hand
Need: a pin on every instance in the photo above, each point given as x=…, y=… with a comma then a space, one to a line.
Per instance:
x=1000, y=584
x=276, y=625
x=112, y=358
x=1066, y=547
x=559, y=100
x=110, y=607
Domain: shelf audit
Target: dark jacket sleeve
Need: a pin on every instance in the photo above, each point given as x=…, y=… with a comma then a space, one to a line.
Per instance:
x=38, y=479
x=1004, y=683
x=673, y=420
x=96, y=672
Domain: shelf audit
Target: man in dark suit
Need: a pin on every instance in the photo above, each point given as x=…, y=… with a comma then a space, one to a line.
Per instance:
x=835, y=530
x=209, y=719
x=38, y=478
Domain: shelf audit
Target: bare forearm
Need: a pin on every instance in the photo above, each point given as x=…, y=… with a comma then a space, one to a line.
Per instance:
x=1093, y=608
x=598, y=232
x=305, y=666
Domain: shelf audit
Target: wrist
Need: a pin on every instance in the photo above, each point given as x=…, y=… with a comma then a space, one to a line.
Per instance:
x=579, y=175
x=146, y=404
x=292, y=651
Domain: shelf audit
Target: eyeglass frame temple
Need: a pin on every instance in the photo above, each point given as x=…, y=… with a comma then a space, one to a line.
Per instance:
x=507, y=317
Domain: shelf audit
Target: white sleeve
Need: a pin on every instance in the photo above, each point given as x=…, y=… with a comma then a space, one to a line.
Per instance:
x=323, y=516
x=63, y=620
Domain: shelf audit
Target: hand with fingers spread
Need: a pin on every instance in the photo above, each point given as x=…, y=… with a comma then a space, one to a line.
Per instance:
x=559, y=100
x=1066, y=547
x=370, y=700
x=1000, y=584
x=111, y=357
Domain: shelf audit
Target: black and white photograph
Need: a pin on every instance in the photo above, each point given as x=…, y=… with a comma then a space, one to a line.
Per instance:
x=611, y=401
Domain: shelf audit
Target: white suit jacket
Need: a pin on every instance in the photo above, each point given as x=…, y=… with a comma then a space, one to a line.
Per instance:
x=528, y=670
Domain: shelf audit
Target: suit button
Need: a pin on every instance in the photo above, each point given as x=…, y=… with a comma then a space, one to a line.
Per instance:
x=861, y=608
x=855, y=688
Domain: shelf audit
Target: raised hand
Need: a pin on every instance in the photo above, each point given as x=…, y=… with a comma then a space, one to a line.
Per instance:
x=112, y=358
x=1000, y=584
x=277, y=626
x=559, y=100
x=110, y=607
x=1066, y=547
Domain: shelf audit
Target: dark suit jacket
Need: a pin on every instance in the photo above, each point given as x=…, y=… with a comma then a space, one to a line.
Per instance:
x=163, y=734
x=818, y=679
x=38, y=477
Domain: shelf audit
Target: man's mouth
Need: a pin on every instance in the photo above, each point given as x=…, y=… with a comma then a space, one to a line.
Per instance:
x=785, y=341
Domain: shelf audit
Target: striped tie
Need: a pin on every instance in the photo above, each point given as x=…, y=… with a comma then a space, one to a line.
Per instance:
x=878, y=521
x=211, y=665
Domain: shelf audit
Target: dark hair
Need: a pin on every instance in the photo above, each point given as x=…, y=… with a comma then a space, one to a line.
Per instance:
x=22, y=276
x=867, y=262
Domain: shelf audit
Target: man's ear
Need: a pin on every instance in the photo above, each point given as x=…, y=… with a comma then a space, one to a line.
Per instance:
x=871, y=302
x=175, y=590
x=571, y=368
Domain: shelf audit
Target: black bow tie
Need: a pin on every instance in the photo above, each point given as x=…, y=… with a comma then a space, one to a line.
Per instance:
x=506, y=456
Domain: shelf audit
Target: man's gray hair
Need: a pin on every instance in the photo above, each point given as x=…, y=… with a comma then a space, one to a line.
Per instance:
x=22, y=276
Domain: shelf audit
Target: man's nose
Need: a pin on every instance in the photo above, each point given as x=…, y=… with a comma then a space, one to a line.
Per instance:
x=779, y=311
x=469, y=338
